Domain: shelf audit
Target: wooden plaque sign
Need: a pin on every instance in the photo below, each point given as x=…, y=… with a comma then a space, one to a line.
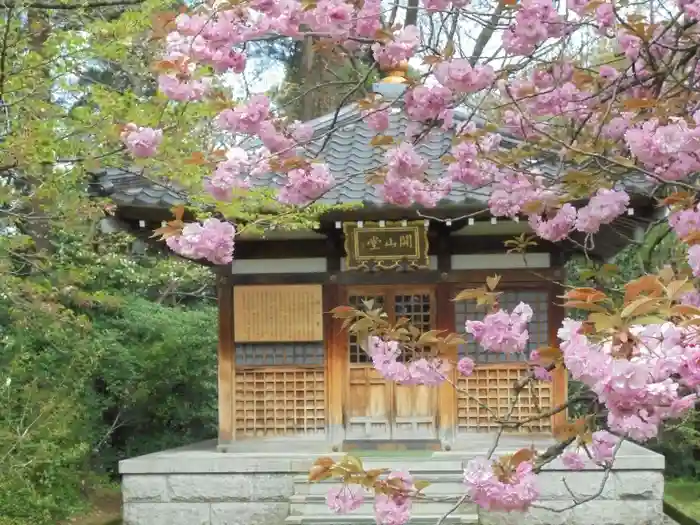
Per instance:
x=385, y=247
x=277, y=314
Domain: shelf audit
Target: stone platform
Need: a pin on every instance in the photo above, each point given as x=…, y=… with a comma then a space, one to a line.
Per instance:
x=264, y=482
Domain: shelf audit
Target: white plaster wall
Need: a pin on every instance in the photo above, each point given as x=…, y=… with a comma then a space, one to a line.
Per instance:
x=500, y=261
x=260, y=266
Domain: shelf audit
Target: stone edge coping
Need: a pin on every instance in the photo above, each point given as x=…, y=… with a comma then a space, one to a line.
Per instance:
x=203, y=458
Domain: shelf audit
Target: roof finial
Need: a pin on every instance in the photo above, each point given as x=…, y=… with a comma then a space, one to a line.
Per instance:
x=396, y=74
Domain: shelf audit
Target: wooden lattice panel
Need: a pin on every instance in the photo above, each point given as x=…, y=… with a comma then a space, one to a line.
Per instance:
x=280, y=402
x=418, y=309
x=493, y=386
x=538, y=327
x=270, y=314
x=355, y=352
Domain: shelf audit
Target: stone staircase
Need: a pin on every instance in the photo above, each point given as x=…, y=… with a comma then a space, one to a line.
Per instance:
x=308, y=504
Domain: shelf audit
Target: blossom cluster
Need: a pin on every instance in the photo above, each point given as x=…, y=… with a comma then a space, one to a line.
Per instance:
x=141, y=142
x=211, y=240
x=395, y=508
x=638, y=386
x=501, y=331
x=423, y=371
x=671, y=151
x=601, y=449
x=536, y=21
x=514, y=492
x=392, y=508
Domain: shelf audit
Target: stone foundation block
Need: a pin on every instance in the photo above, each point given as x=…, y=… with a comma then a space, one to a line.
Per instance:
x=622, y=485
x=229, y=487
x=144, y=488
x=596, y=512
x=249, y=513
x=167, y=514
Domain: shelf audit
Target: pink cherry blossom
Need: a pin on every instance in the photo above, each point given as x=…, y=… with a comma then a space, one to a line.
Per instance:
x=542, y=374
x=301, y=132
x=573, y=460
x=429, y=103
x=377, y=119
x=422, y=371
x=605, y=15
x=603, y=446
x=185, y=90
x=639, y=391
x=369, y=19
x=502, y=331
x=331, y=16
x=141, y=142
x=493, y=494
x=345, y=498
x=246, y=118
x=468, y=168
x=389, y=511
x=405, y=161
x=211, y=240
x=694, y=259
x=465, y=366
x=306, y=184
x=691, y=298
x=685, y=222
x=535, y=22
x=459, y=76
x=515, y=193
x=558, y=227
x=398, y=50
x=229, y=175
x=603, y=208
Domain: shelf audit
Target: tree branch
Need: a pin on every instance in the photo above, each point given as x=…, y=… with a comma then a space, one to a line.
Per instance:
x=70, y=7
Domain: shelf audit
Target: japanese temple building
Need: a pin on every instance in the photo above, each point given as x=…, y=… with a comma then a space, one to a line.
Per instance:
x=287, y=370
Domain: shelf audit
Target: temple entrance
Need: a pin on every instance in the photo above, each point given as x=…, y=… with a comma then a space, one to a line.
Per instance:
x=381, y=410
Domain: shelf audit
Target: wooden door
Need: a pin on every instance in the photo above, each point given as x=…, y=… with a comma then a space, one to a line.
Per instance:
x=379, y=409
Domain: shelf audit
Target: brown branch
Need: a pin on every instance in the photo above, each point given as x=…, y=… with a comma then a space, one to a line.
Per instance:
x=70, y=7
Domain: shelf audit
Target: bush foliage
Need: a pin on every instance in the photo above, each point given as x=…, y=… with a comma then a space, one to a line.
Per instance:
x=97, y=364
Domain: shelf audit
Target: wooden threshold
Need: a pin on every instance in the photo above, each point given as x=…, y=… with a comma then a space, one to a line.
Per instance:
x=392, y=445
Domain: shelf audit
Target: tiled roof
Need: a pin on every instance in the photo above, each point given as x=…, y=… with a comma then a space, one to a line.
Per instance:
x=132, y=189
x=343, y=141
x=350, y=157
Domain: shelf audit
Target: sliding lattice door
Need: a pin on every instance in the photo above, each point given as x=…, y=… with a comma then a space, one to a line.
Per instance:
x=495, y=373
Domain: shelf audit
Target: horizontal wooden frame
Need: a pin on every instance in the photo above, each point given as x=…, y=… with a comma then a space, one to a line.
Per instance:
x=524, y=277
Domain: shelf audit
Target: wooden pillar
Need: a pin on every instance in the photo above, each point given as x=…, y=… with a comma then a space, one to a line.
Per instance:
x=447, y=396
x=333, y=336
x=226, y=362
x=335, y=361
x=556, y=315
x=445, y=320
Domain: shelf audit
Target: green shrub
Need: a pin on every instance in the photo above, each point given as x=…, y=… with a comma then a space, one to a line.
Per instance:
x=79, y=391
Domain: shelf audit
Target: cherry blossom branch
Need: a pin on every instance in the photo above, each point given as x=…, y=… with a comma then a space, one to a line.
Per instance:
x=581, y=500
x=10, y=4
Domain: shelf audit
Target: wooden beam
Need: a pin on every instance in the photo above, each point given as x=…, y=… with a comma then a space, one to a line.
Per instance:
x=281, y=249
x=523, y=278
x=226, y=362
x=336, y=360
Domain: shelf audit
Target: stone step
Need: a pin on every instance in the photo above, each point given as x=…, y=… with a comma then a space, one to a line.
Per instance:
x=416, y=466
x=368, y=519
x=316, y=506
x=440, y=485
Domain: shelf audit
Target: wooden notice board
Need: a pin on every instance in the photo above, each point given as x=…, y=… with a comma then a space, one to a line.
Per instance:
x=278, y=314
